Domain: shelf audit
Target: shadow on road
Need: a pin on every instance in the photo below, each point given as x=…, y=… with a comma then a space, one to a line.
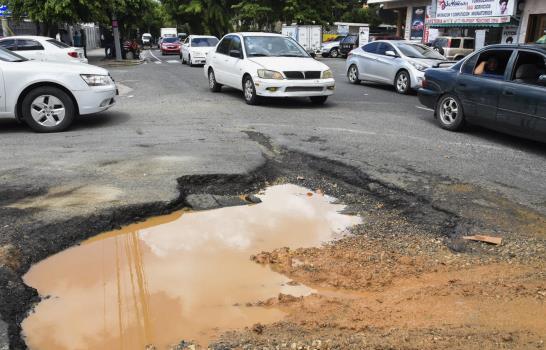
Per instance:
x=279, y=103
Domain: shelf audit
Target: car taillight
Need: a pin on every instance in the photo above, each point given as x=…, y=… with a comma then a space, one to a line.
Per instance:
x=73, y=54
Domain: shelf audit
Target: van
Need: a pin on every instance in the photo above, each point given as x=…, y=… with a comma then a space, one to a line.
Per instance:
x=453, y=48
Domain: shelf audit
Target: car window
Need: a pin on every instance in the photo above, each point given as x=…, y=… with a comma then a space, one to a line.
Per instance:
x=204, y=42
x=186, y=41
x=171, y=40
x=371, y=47
x=440, y=42
x=413, y=50
x=8, y=44
x=384, y=47
x=492, y=63
x=223, y=47
x=273, y=46
x=470, y=64
x=455, y=43
x=350, y=39
x=468, y=44
x=8, y=56
x=59, y=44
x=528, y=68
x=236, y=45
x=28, y=45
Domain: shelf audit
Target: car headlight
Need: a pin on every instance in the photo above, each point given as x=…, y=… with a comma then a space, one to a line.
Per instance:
x=97, y=80
x=419, y=66
x=269, y=74
x=327, y=74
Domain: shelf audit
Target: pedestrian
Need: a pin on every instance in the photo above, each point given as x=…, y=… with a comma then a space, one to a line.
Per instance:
x=84, y=42
x=58, y=36
x=77, y=39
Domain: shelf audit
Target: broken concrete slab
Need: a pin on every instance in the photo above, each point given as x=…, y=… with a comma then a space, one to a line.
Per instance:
x=4, y=340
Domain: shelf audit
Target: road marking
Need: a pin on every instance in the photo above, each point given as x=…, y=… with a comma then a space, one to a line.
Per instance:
x=158, y=60
x=425, y=109
x=173, y=61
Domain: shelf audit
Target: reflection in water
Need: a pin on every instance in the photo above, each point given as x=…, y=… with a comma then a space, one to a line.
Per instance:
x=182, y=276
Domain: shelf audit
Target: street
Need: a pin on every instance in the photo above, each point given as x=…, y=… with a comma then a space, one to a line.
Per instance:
x=169, y=136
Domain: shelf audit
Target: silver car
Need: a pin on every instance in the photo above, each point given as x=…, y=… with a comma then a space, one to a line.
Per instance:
x=395, y=62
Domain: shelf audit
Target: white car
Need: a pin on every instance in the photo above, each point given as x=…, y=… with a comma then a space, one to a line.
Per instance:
x=48, y=96
x=331, y=48
x=196, y=48
x=270, y=65
x=42, y=48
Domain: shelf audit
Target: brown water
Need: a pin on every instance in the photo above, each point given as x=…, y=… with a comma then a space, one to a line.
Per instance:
x=185, y=276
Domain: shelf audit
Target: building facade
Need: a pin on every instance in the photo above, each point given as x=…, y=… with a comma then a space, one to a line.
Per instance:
x=533, y=21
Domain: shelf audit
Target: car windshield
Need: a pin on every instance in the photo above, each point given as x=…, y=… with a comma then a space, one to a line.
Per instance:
x=204, y=42
x=273, y=46
x=351, y=39
x=8, y=56
x=58, y=44
x=418, y=51
x=170, y=40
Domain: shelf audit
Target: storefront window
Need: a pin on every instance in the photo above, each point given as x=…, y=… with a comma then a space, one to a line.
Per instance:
x=537, y=28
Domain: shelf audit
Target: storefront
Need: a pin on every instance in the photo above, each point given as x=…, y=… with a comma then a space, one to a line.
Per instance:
x=488, y=21
x=533, y=21
x=411, y=17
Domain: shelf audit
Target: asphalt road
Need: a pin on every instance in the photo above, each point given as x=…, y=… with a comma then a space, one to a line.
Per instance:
x=167, y=124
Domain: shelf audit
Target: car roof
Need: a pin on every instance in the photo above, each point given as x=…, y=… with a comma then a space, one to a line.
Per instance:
x=536, y=47
x=258, y=34
x=202, y=36
x=33, y=37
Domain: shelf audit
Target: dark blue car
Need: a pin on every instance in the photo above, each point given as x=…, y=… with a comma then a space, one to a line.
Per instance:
x=501, y=87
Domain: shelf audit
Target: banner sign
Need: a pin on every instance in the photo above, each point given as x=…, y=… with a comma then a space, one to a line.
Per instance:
x=4, y=10
x=449, y=9
x=363, y=35
x=418, y=23
x=509, y=34
x=466, y=20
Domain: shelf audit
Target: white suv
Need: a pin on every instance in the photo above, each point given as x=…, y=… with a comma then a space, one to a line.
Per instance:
x=271, y=65
x=48, y=96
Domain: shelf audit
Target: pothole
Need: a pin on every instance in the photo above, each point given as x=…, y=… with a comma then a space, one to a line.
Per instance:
x=185, y=276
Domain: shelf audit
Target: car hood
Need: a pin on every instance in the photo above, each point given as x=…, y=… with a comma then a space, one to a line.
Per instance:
x=201, y=50
x=289, y=63
x=426, y=61
x=330, y=44
x=52, y=67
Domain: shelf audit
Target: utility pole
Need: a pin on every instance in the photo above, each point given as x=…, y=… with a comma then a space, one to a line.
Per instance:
x=117, y=45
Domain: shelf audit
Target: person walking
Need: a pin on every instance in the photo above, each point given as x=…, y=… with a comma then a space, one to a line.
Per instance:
x=84, y=41
x=77, y=39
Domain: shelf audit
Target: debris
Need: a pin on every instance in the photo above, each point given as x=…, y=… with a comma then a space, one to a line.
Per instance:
x=309, y=194
x=258, y=328
x=300, y=178
x=486, y=239
x=252, y=199
x=319, y=192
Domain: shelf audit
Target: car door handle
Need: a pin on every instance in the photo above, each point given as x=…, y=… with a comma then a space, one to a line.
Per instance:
x=508, y=93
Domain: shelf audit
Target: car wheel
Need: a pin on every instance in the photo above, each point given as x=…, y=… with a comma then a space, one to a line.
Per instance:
x=213, y=84
x=334, y=53
x=318, y=100
x=189, y=61
x=352, y=74
x=249, y=90
x=402, y=82
x=48, y=109
x=450, y=113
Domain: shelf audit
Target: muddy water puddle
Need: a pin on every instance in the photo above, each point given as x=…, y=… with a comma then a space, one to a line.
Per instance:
x=185, y=276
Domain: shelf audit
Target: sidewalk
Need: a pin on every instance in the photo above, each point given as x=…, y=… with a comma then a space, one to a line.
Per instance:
x=97, y=58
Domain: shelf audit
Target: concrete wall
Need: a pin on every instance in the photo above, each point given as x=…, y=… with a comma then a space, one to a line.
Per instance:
x=532, y=7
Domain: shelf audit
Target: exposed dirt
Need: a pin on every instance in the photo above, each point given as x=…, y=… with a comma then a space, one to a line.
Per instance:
x=406, y=280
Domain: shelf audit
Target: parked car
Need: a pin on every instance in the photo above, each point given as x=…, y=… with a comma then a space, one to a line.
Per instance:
x=48, y=96
x=331, y=48
x=170, y=46
x=453, y=48
x=41, y=48
x=146, y=39
x=501, y=87
x=265, y=64
x=195, y=49
x=395, y=62
x=347, y=44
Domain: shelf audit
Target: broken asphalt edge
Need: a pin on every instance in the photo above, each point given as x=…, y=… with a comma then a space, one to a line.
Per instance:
x=46, y=239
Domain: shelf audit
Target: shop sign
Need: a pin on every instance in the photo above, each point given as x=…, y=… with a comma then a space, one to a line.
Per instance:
x=363, y=35
x=469, y=20
x=509, y=34
x=448, y=9
x=418, y=23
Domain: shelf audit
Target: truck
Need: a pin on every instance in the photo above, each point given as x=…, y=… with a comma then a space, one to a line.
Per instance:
x=168, y=32
x=308, y=36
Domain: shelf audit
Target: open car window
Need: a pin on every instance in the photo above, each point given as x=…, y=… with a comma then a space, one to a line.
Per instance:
x=529, y=68
x=493, y=63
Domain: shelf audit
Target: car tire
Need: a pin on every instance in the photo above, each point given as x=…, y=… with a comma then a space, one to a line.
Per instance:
x=249, y=91
x=352, y=74
x=325, y=55
x=402, y=82
x=189, y=61
x=449, y=112
x=334, y=53
x=48, y=109
x=318, y=100
x=213, y=84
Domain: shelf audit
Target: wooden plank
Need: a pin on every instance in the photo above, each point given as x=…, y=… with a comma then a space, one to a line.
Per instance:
x=483, y=238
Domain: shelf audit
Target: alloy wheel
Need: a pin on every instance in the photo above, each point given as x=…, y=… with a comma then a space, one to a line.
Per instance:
x=449, y=111
x=212, y=80
x=249, y=90
x=402, y=82
x=353, y=74
x=47, y=110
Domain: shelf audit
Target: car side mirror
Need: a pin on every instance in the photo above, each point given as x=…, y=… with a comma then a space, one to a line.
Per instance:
x=235, y=53
x=391, y=53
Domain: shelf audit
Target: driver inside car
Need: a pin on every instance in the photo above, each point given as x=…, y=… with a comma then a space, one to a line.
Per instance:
x=489, y=68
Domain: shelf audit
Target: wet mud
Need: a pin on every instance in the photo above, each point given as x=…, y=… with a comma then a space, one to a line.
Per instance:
x=407, y=234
